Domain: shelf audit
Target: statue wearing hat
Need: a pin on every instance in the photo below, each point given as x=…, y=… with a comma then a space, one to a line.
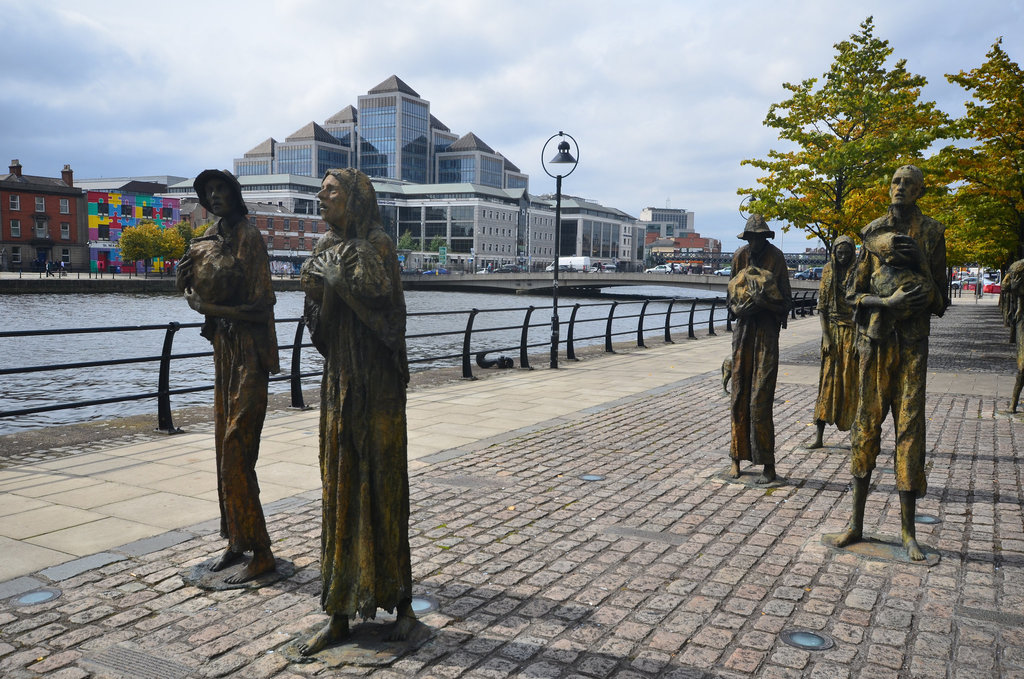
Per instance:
x=225, y=275
x=760, y=298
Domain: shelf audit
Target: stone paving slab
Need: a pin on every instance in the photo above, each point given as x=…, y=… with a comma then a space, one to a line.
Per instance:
x=658, y=570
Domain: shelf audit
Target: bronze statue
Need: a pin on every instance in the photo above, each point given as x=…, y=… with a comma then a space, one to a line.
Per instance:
x=225, y=275
x=837, y=381
x=760, y=298
x=355, y=308
x=899, y=282
x=1011, y=301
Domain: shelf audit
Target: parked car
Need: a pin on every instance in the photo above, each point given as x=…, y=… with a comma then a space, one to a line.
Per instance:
x=812, y=274
x=440, y=271
x=508, y=268
x=727, y=271
x=661, y=268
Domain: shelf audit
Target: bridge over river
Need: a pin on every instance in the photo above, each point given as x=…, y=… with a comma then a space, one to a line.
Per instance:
x=576, y=282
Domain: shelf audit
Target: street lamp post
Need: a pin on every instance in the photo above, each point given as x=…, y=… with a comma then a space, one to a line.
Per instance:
x=563, y=158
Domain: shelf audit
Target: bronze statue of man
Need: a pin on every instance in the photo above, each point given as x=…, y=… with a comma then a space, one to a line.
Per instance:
x=355, y=308
x=1011, y=301
x=837, y=379
x=226, y=276
x=899, y=282
x=760, y=298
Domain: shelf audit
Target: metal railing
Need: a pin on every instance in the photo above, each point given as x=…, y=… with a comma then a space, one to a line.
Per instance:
x=455, y=342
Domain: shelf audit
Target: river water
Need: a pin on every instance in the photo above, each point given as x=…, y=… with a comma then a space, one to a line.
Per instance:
x=496, y=327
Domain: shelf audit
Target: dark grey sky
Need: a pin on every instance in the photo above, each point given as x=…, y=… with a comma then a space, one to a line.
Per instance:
x=664, y=97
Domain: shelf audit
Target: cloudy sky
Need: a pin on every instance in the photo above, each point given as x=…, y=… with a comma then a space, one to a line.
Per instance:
x=664, y=97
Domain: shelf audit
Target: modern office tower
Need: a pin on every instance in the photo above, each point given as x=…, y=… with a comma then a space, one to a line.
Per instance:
x=390, y=134
x=667, y=222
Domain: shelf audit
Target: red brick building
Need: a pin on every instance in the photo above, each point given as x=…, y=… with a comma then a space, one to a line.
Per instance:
x=42, y=221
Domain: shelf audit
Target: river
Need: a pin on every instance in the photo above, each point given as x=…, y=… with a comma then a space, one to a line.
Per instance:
x=496, y=327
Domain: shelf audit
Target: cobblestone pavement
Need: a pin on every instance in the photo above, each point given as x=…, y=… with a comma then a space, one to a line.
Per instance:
x=660, y=569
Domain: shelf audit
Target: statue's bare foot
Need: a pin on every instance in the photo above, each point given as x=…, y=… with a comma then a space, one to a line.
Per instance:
x=401, y=629
x=405, y=622
x=734, y=469
x=914, y=552
x=767, y=476
x=334, y=631
x=262, y=562
x=846, y=538
x=228, y=558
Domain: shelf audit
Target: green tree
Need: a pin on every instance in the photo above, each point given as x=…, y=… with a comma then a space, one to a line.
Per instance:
x=140, y=242
x=985, y=215
x=406, y=241
x=844, y=137
x=436, y=243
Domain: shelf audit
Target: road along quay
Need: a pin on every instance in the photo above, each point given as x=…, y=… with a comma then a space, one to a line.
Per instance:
x=656, y=568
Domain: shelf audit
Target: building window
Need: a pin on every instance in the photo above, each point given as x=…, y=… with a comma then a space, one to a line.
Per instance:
x=270, y=223
x=41, y=230
x=65, y=230
x=302, y=226
x=15, y=202
x=15, y=227
x=40, y=204
x=287, y=225
x=65, y=206
x=65, y=255
x=16, y=254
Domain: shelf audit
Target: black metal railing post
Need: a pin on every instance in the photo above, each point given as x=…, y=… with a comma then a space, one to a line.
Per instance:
x=524, y=356
x=296, y=380
x=668, y=321
x=728, y=318
x=570, y=350
x=164, y=420
x=467, y=367
x=640, y=325
x=711, y=317
x=608, y=329
x=693, y=309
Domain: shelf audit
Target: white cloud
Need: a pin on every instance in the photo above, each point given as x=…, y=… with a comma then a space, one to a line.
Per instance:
x=664, y=97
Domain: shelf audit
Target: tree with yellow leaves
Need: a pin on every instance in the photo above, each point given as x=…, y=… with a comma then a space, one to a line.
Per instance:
x=845, y=136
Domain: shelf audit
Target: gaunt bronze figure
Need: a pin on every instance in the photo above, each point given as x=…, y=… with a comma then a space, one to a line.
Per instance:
x=225, y=275
x=760, y=297
x=355, y=308
x=898, y=284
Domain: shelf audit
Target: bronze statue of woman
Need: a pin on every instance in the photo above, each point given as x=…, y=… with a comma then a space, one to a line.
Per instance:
x=226, y=276
x=355, y=308
x=837, y=380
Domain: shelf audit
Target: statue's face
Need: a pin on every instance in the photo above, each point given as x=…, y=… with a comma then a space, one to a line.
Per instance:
x=757, y=242
x=905, y=188
x=333, y=198
x=844, y=254
x=220, y=197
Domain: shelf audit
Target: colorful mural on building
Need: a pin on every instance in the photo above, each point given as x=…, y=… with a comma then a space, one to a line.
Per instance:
x=112, y=211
